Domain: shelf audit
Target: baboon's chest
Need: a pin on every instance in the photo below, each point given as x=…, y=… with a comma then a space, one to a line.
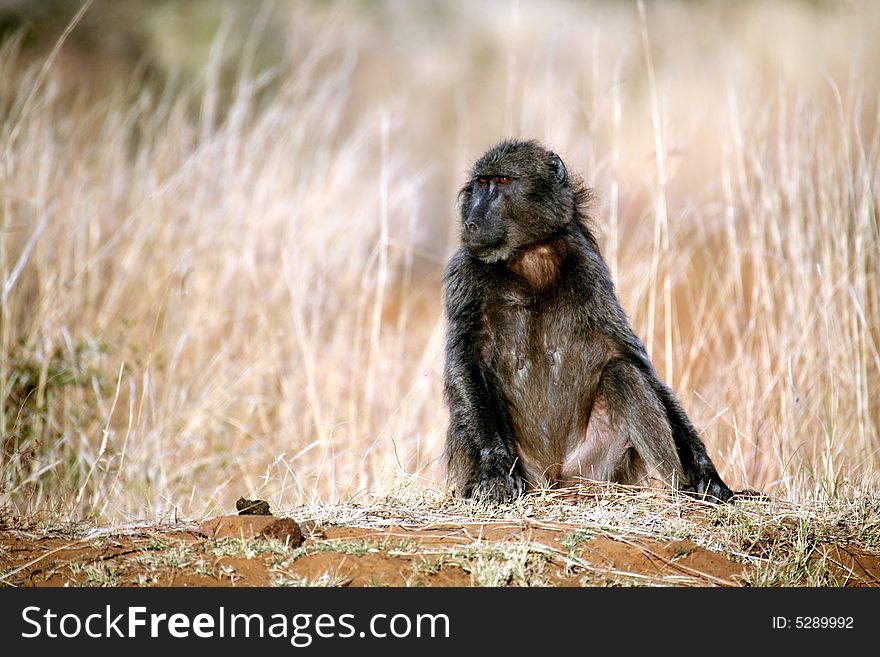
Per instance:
x=531, y=343
x=547, y=361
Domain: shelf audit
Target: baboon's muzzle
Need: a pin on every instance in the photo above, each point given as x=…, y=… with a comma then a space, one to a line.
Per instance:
x=482, y=234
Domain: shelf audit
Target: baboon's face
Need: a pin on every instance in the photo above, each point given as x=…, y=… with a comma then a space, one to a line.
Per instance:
x=518, y=194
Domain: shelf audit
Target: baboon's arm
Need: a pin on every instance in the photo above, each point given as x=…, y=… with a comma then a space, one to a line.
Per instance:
x=480, y=448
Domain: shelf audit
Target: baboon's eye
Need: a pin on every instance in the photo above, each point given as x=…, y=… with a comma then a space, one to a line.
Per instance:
x=483, y=180
x=503, y=180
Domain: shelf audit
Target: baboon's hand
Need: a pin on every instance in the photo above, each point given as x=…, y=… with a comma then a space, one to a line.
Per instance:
x=499, y=487
x=708, y=486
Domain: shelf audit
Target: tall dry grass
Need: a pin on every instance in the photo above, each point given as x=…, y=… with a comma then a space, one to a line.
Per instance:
x=213, y=291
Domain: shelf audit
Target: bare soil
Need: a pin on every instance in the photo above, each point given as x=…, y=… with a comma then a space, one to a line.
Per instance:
x=230, y=551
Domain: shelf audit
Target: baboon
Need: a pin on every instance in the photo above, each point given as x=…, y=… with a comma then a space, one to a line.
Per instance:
x=545, y=380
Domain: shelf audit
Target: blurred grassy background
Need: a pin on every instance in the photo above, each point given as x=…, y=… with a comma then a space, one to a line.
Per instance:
x=223, y=225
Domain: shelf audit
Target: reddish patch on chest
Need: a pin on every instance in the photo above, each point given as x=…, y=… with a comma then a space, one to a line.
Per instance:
x=540, y=266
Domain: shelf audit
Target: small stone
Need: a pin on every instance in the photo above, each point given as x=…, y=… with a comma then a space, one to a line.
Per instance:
x=285, y=530
x=252, y=507
x=245, y=527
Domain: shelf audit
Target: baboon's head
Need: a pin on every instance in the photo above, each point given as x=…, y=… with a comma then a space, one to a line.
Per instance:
x=518, y=194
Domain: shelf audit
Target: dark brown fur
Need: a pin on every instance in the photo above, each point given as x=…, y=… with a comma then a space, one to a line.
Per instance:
x=545, y=381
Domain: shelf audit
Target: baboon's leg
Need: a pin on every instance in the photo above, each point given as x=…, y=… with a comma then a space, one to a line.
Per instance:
x=628, y=436
x=700, y=472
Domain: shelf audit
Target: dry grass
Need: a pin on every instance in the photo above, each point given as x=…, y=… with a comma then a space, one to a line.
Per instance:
x=233, y=287
x=781, y=543
x=777, y=543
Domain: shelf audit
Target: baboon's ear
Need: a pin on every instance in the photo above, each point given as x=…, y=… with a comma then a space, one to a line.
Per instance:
x=559, y=167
